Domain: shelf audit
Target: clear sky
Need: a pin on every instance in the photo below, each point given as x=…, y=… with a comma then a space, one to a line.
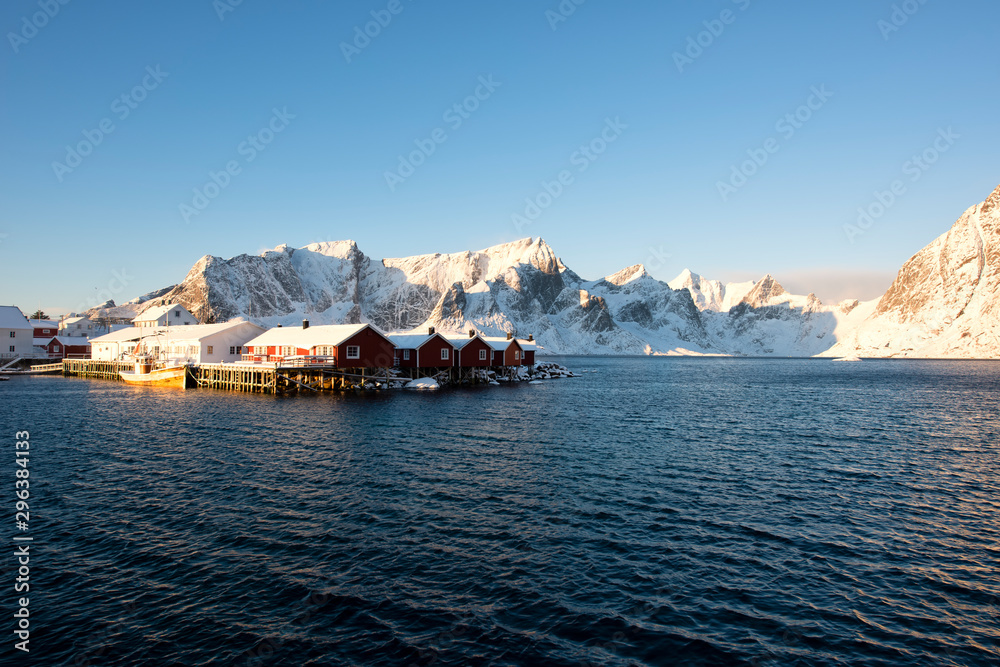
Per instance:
x=310, y=128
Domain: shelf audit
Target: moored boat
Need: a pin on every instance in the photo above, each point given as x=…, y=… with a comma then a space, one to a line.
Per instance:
x=146, y=373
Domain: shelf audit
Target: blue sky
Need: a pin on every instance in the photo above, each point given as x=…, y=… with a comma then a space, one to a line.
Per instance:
x=114, y=219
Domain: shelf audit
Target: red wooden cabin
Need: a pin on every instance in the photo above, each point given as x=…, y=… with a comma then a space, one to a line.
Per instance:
x=506, y=351
x=339, y=345
x=472, y=351
x=65, y=347
x=528, y=348
x=430, y=350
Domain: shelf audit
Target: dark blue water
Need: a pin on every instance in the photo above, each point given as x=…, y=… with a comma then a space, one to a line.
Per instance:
x=658, y=511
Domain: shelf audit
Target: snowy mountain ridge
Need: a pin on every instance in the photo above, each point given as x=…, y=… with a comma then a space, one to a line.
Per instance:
x=944, y=302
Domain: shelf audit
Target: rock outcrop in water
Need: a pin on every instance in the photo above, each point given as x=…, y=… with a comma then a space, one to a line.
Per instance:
x=943, y=303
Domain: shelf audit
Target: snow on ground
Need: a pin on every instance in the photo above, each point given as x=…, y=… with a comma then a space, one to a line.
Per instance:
x=423, y=384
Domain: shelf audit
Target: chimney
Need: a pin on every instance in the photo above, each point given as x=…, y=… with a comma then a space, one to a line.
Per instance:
x=531, y=337
x=305, y=324
x=510, y=336
x=472, y=333
x=430, y=331
x=279, y=326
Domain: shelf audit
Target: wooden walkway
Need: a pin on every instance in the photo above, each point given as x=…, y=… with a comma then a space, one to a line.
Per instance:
x=271, y=379
x=90, y=368
x=233, y=377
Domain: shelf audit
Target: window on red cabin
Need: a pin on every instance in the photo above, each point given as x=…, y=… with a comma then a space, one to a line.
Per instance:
x=406, y=355
x=482, y=355
x=353, y=352
x=444, y=354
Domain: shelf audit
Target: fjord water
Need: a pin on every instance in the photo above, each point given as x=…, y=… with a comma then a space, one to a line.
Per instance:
x=656, y=511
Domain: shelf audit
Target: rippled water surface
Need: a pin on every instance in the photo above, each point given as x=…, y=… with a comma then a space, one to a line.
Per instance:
x=656, y=511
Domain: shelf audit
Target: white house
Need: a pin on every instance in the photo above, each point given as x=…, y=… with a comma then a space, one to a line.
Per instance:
x=171, y=315
x=16, y=333
x=115, y=345
x=197, y=343
x=76, y=326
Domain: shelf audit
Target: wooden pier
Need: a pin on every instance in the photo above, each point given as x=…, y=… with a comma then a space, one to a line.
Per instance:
x=89, y=368
x=280, y=379
x=233, y=377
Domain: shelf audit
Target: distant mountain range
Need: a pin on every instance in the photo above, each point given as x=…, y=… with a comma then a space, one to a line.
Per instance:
x=944, y=302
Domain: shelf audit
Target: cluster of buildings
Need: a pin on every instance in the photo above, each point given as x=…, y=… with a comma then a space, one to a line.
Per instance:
x=22, y=338
x=365, y=346
x=172, y=332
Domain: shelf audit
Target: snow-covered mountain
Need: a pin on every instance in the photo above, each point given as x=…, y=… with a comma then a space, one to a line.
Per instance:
x=944, y=302
x=520, y=286
x=712, y=294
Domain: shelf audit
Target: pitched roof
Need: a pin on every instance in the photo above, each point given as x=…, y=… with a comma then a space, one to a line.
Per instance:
x=73, y=320
x=11, y=317
x=154, y=313
x=528, y=345
x=189, y=332
x=131, y=333
x=499, y=343
x=44, y=324
x=461, y=341
x=411, y=341
x=68, y=341
x=329, y=334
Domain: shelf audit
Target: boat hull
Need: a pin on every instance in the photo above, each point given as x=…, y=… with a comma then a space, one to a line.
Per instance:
x=160, y=377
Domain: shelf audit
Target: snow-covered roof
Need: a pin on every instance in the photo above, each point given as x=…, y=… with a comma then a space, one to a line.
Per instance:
x=329, y=334
x=73, y=320
x=182, y=333
x=154, y=313
x=461, y=341
x=411, y=341
x=131, y=333
x=498, y=343
x=67, y=341
x=44, y=324
x=11, y=317
x=528, y=345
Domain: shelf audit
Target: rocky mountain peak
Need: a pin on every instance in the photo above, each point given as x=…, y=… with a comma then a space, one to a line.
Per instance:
x=686, y=278
x=628, y=274
x=339, y=249
x=991, y=203
x=764, y=292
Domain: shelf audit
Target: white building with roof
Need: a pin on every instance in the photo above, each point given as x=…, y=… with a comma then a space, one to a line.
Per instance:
x=77, y=326
x=196, y=343
x=172, y=315
x=115, y=345
x=16, y=333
